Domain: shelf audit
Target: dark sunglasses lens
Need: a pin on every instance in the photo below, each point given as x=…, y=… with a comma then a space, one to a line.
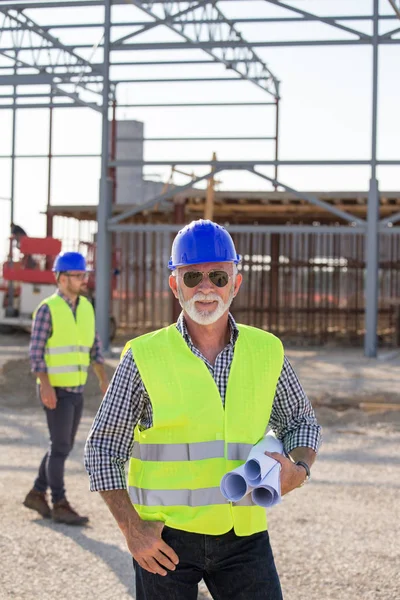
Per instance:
x=219, y=278
x=192, y=278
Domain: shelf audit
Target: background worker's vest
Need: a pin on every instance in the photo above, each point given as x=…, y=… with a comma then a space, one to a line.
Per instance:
x=67, y=353
x=177, y=464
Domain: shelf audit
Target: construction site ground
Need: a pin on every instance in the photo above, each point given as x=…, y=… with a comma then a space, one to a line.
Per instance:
x=334, y=539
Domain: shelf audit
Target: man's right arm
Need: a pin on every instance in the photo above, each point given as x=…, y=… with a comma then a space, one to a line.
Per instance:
x=41, y=331
x=143, y=538
x=108, y=448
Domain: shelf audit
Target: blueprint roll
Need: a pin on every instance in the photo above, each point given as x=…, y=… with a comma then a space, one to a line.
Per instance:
x=258, y=465
x=268, y=492
x=234, y=486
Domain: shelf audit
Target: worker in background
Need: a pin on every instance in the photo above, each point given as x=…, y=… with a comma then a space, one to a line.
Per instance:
x=17, y=232
x=63, y=344
x=185, y=406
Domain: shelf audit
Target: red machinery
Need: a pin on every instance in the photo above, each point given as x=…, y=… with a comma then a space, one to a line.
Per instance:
x=36, y=259
x=28, y=279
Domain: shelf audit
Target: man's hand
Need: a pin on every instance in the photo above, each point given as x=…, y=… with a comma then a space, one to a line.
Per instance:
x=48, y=395
x=103, y=384
x=101, y=375
x=149, y=549
x=292, y=475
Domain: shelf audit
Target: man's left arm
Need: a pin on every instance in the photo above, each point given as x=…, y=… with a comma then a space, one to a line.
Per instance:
x=294, y=423
x=97, y=360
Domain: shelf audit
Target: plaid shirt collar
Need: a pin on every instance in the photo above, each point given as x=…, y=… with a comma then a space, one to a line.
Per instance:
x=68, y=301
x=182, y=328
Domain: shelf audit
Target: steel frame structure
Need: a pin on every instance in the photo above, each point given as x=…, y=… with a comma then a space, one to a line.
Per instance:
x=33, y=54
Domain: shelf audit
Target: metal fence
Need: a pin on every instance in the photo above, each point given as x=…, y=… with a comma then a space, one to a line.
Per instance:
x=308, y=288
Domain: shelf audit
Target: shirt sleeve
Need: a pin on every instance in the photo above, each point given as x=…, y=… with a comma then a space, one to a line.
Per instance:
x=41, y=331
x=292, y=418
x=96, y=351
x=109, y=444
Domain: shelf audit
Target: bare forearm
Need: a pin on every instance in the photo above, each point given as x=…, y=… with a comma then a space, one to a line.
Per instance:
x=43, y=378
x=100, y=371
x=122, y=509
x=303, y=453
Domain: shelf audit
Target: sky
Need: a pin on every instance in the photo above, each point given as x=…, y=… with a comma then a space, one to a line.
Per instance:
x=325, y=112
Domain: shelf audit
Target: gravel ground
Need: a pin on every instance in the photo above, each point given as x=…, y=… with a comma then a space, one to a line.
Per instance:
x=335, y=539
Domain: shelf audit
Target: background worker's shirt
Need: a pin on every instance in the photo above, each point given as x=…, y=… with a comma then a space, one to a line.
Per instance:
x=126, y=403
x=43, y=329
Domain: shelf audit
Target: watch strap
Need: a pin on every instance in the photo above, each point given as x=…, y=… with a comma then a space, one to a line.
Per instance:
x=305, y=466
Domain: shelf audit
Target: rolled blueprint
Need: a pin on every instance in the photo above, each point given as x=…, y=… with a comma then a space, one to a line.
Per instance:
x=258, y=465
x=234, y=486
x=268, y=492
x=259, y=475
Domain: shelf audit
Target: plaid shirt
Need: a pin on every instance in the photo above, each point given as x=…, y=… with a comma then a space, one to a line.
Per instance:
x=42, y=329
x=127, y=403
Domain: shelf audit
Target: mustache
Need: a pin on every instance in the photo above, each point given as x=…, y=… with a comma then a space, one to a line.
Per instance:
x=199, y=297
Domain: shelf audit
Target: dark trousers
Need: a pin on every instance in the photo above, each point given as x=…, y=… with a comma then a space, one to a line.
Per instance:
x=63, y=424
x=233, y=568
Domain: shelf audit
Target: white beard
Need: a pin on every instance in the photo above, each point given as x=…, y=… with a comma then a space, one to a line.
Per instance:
x=205, y=317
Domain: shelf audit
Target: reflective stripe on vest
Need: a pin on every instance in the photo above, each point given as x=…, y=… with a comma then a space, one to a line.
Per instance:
x=67, y=369
x=173, y=452
x=194, y=451
x=66, y=349
x=238, y=451
x=199, y=497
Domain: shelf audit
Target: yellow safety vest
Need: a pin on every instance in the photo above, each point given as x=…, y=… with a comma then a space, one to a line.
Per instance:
x=177, y=464
x=67, y=353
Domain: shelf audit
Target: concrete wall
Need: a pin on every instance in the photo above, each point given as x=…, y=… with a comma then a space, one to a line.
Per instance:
x=131, y=188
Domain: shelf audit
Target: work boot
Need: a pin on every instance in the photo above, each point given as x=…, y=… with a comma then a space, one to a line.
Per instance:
x=64, y=513
x=37, y=501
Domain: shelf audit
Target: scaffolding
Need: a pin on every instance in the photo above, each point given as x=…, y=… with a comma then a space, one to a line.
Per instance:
x=71, y=75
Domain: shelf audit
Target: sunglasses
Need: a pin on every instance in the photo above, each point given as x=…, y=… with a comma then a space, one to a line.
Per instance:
x=218, y=278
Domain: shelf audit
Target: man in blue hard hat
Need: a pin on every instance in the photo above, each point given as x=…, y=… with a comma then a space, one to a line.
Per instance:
x=63, y=344
x=185, y=406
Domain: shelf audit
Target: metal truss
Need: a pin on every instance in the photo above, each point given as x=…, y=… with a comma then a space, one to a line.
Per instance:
x=53, y=63
x=236, y=54
x=396, y=6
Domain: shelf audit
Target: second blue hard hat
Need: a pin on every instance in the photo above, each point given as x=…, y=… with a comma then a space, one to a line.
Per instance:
x=69, y=261
x=202, y=241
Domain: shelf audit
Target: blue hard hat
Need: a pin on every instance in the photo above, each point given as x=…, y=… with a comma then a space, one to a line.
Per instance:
x=69, y=261
x=202, y=241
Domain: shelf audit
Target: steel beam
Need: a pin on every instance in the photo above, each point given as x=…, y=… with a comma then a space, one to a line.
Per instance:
x=249, y=164
x=388, y=220
x=249, y=20
x=103, y=240
x=37, y=79
x=183, y=104
x=396, y=7
x=372, y=237
x=312, y=199
x=164, y=196
x=50, y=105
x=321, y=19
x=292, y=229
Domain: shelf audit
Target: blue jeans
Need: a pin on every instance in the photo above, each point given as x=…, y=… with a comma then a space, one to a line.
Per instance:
x=233, y=568
x=63, y=424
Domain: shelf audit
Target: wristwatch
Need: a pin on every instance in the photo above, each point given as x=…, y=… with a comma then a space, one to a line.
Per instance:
x=305, y=466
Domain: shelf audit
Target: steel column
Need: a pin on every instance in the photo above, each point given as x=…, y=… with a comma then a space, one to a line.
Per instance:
x=49, y=217
x=276, y=142
x=103, y=249
x=372, y=237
